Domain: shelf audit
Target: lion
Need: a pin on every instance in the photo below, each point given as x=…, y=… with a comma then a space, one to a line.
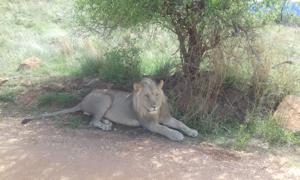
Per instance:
x=146, y=106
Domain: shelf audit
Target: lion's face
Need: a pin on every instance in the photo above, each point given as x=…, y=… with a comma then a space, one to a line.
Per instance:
x=148, y=96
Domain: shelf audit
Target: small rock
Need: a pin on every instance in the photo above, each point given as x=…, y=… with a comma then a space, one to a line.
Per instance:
x=26, y=83
x=3, y=80
x=30, y=63
x=288, y=112
x=55, y=87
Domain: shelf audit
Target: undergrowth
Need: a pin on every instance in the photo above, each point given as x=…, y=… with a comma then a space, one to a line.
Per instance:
x=7, y=95
x=121, y=66
x=267, y=128
x=57, y=98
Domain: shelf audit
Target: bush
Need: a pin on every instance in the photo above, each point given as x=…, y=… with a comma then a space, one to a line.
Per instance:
x=121, y=66
x=271, y=131
x=89, y=67
x=266, y=128
x=163, y=70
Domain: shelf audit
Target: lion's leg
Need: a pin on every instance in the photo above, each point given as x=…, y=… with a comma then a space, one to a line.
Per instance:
x=163, y=130
x=101, y=124
x=98, y=121
x=174, y=123
x=126, y=121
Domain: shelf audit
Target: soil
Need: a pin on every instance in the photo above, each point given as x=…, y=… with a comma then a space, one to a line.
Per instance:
x=42, y=150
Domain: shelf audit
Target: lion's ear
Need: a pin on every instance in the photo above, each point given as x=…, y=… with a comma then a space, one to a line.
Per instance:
x=161, y=84
x=137, y=87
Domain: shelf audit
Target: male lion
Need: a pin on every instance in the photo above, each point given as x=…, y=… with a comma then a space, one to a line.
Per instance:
x=146, y=106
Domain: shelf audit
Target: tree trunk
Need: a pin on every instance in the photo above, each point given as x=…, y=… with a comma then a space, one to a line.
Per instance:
x=191, y=52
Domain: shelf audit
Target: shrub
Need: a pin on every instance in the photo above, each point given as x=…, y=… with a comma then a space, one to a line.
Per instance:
x=163, y=70
x=121, y=66
x=266, y=128
x=89, y=67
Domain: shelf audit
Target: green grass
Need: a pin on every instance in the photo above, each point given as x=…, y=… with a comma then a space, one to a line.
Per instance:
x=10, y=91
x=75, y=121
x=28, y=28
x=89, y=67
x=46, y=29
x=266, y=128
x=231, y=133
x=8, y=95
x=271, y=130
x=58, y=99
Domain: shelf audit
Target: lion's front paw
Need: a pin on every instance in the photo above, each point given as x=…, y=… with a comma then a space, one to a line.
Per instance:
x=107, y=126
x=176, y=136
x=193, y=133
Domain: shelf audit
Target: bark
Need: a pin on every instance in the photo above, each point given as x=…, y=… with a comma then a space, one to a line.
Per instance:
x=191, y=51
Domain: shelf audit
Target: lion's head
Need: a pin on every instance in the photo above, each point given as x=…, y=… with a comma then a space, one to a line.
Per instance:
x=149, y=100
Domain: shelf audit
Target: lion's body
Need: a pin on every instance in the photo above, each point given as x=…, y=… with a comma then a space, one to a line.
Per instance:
x=147, y=106
x=118, y=105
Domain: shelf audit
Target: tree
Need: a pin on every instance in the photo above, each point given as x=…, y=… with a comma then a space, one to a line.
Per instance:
x=200, y=25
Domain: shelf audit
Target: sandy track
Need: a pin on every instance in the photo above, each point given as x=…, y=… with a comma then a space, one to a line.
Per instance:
x=41, y=150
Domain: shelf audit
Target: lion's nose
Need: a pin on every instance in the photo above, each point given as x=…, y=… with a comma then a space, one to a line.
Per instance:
x=154, y=107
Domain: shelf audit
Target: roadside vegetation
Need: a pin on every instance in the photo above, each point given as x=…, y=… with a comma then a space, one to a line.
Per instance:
x=229, y=97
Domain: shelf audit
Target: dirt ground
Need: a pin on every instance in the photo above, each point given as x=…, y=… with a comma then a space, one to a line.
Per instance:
x=42, y=150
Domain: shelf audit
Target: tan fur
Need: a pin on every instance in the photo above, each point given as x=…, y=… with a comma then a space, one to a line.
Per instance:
x=139, y=101
x=146, y=106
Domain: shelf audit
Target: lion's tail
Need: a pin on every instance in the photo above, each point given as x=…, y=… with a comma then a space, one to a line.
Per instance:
x=64, y=111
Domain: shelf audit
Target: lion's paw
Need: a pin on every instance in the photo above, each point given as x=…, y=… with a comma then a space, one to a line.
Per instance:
x=193, y=133
x=107, y=126
x=176, y=136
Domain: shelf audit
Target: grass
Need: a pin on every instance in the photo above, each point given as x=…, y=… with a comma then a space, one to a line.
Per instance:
x=28, y=27
x=231, y=133
x=46, y=29
x=9, y=92
x=8, y=95
x=89, y=67
x=266, y=128
x=58, y=99
x=271, y=130
x=76, y=121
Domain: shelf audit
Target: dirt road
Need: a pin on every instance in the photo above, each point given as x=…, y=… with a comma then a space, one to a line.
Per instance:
x=42, y=150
